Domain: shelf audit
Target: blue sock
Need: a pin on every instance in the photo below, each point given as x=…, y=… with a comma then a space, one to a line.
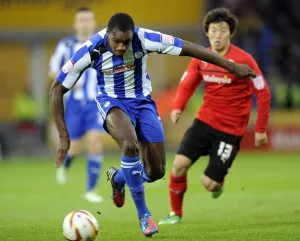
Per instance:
x=133, y=173
x=94, y=165
x=119, y=178
x=145, y=175
x=68, y=161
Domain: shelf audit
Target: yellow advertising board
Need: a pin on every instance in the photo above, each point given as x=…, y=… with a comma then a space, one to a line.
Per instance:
x=29, y=14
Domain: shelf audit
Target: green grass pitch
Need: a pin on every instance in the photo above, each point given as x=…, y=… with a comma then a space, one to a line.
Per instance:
x=261, y=202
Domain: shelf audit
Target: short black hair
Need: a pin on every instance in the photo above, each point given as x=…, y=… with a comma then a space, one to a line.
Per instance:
x=219, y=15
x=120, y=21
x=83, y=9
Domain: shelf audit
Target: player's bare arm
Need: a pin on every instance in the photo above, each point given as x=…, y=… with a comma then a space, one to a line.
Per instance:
x=199, y=52
x=56, y=99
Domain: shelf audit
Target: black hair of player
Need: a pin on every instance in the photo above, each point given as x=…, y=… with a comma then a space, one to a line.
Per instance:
x=219, y=15
x=83, y=9
x=120, y=21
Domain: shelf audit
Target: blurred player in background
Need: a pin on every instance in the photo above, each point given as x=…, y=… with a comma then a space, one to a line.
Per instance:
x=222, y=119
x=119, y=54
x=81, y=115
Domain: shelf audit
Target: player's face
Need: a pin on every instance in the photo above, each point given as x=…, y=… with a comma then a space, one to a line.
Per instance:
x=219, y=35
x=85, y=23
x=119, y=41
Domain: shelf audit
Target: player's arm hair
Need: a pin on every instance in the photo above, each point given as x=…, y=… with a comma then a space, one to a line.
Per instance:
x=57, y=107
x=199, y=52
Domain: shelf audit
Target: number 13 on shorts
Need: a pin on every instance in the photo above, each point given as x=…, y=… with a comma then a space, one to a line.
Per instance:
x=224, y=151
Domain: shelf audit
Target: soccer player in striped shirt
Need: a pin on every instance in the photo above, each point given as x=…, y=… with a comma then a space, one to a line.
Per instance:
x=221, y=121
x=81, y=115
x=119, y=54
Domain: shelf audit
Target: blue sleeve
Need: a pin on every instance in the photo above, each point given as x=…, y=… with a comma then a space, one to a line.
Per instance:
x=159, y=42
x=80, y=61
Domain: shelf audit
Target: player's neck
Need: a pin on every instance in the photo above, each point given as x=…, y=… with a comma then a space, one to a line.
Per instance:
x=223, y=51
x=82, y=38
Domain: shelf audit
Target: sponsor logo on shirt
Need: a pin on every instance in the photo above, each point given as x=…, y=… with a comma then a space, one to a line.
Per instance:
x=258, y=82
x=120, y=69
x=167, y=39
x=138, y=55
x=68, y=67
x=107, y=103
x=218, y=80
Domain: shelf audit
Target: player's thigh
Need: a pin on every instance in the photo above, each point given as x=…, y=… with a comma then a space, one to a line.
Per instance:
x=224, y=150
x=153, y=156
x=119, y=124
x=122, y=131
x=195, y=142
x=75, y=147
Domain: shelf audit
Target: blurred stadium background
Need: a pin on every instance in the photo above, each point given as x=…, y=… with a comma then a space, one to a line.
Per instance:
x=29, y=31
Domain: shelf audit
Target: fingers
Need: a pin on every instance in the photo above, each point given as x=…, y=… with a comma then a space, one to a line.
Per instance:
x=175, y=119
x=259, y=142
x=175, y=115
x=60, y=156
x=256, y=143
x=252, y=74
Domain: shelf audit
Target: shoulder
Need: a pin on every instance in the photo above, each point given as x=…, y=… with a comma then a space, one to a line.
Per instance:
x=244, y=55
x=143, y=33
x=97, y=38
x=196, y=62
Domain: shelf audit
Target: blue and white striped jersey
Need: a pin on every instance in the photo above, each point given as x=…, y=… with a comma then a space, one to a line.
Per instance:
x=119, y=76
x=86, y=87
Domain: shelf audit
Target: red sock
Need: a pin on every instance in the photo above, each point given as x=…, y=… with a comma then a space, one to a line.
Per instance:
x=177, y=188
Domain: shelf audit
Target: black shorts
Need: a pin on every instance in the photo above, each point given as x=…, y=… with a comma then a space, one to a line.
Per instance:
x=201, y=140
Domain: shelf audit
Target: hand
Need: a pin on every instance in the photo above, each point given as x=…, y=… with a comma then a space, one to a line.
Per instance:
x=61, y=150
x=243, y=71
x=175, y=115
x=260, y=139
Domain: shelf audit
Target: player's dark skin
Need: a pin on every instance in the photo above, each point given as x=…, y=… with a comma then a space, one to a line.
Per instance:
x=119, y=124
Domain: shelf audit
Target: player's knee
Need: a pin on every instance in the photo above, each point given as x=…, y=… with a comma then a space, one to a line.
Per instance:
x=130, y=148
x=75, y=148
x=210, y=184
x=94, y=144
x=181, y=165
x=95, y=147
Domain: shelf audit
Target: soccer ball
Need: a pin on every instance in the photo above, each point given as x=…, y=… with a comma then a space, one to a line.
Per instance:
x=80, y=225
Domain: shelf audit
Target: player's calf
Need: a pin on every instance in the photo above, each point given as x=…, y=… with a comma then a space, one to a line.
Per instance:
x=153, y=173
x=215, y=187
x=177, y=189
x=210, y=184
x=154, y=160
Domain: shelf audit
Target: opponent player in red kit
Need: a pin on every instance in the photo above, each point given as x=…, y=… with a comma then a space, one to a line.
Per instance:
x=222, y=119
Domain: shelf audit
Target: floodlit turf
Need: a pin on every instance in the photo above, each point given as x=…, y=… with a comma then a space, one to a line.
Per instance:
x=261, y=202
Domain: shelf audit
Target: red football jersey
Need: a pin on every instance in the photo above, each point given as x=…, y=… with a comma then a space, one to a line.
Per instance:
x=227, y=99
